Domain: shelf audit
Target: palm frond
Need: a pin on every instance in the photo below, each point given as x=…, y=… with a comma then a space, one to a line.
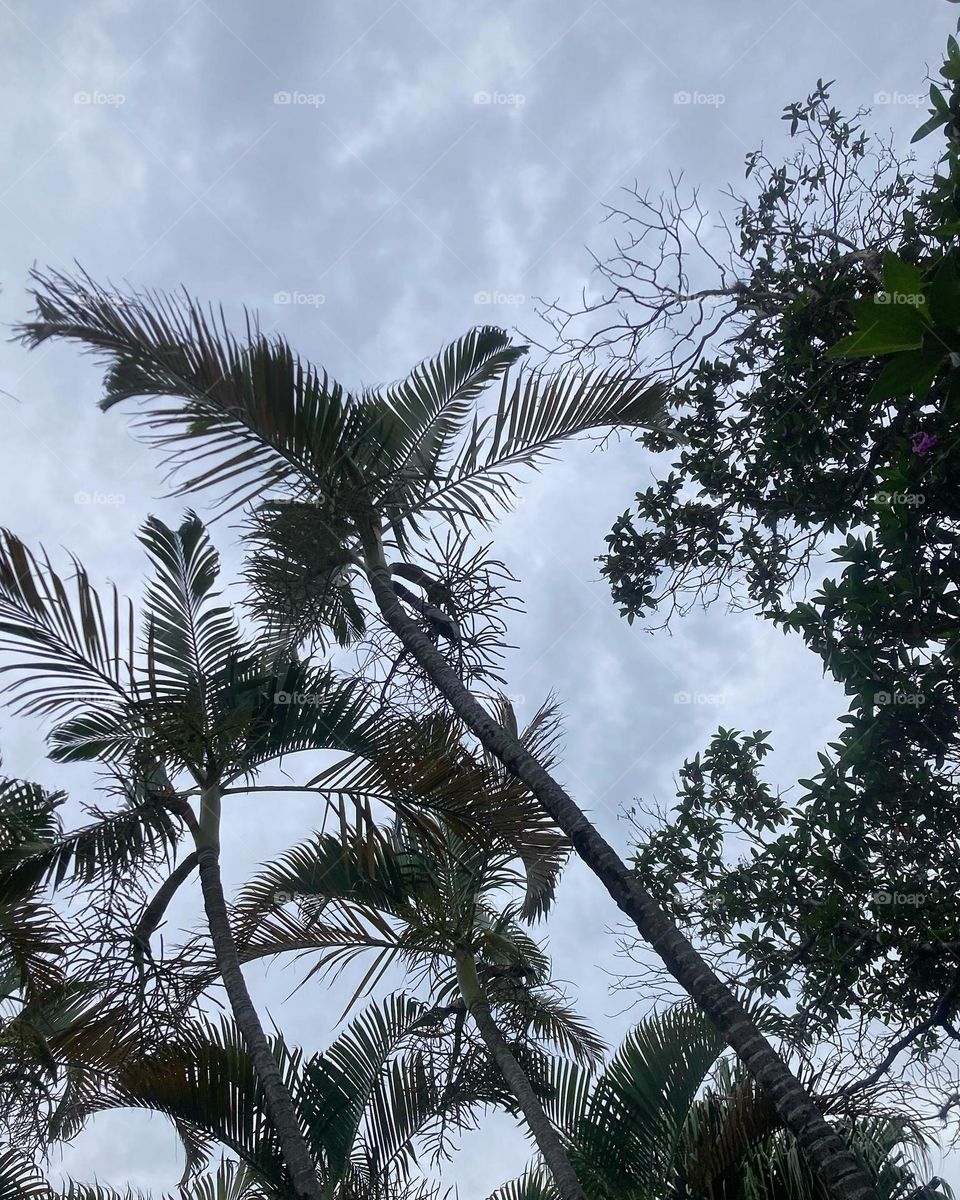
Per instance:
x=189, y=640
x=363, y=1100
x=535, y=1184
x=266, y=714
x=248, y=415
x=431, y=408
x=533, y=416
x=206, y=1084
x=299, y=568
x=252, y=417
x=641, y=1101
x=145, y=832
x=28, y=814
x=551, y=1020
x=20, y=1179
x=422, y=767
x=73, y=652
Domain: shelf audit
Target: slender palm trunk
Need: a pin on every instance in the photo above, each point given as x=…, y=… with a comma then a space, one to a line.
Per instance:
x=825, y=1150
x=279, y=1103
x=549, y=1144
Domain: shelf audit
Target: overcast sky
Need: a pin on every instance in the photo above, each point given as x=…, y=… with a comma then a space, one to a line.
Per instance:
x=376, y=178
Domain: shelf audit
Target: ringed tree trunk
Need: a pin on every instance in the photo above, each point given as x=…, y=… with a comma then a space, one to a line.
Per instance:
x=279, y=1103
x=548, y=1142
x=825, y=1151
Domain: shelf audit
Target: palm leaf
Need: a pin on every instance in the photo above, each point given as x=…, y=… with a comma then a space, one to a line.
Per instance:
x=189, y=640
x=534, y=415
x=145, y=832
x=206, y=1084
x=74, y=653
x=20, y=1180
x=640, y=1104
x=535, y=1184
x=253, y=417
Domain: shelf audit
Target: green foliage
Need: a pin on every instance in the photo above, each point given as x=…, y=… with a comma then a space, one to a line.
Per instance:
x=828, y=420
x=668, y=1118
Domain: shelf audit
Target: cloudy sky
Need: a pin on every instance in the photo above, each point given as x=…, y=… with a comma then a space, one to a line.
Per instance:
x=377, y=177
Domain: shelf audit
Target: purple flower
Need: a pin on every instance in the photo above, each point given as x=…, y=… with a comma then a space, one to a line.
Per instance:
x=923, y=443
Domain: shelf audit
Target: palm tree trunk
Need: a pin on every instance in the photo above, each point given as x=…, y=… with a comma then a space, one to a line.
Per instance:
x=549, y=1144
x=279, y=1103
x=825, y=1150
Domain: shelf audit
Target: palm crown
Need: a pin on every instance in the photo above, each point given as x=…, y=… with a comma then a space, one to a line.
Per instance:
x=330, y=470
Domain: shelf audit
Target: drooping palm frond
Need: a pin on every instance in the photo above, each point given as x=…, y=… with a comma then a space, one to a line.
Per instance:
x=300, y=571
x=28, y=815
x=204, y=1081
x=424, y=765
x=72, y=652
x=265, y=712
x=212, y=389
x=32, y=946
x=554, y=1022
x=362, y=1104
x=20, y=1179
x=58, y=1051
x=145, y=832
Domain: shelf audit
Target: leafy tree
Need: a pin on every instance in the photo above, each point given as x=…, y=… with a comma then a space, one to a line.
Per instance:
x=816, y=408
x=668, y=1117
x=358, y=477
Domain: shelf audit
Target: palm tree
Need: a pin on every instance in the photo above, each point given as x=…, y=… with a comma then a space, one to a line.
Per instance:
x=357, y=476
x=435, y=901
x=669, y=1119
x=363, y=1104
x=186, y=713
